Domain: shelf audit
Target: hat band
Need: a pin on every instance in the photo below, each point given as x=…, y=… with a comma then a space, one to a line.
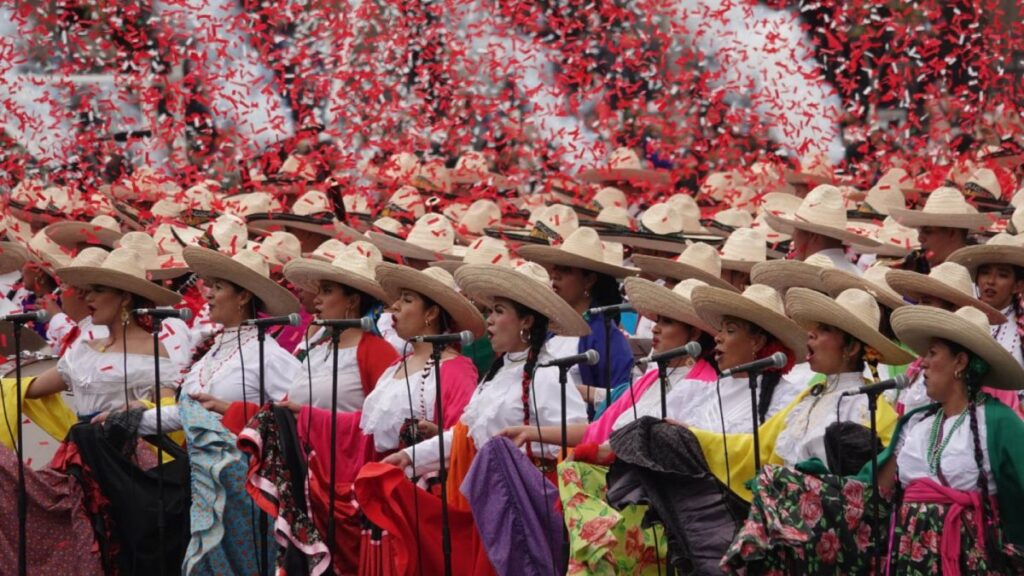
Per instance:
x=976, y=189
x=542, y=230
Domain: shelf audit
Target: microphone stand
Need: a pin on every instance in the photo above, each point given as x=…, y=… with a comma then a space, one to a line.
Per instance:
x=261, y=336
x=335, y=336
x=663, y=379
x=160, y=520
x=607, y=363
x=446, y=537
x=563, y=381
x=752, y=381
x=22, y=497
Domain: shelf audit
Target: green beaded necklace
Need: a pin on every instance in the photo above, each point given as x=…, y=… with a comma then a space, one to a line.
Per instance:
x=934, y=450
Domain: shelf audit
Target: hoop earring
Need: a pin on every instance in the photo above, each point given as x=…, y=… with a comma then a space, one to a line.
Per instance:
x=524, y=336
x=958, y=375
x=124, y=315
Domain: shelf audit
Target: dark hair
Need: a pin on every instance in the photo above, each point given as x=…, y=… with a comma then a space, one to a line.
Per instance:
x=366, y=302
x=538, y=336
x=771, y=377
x=444, y=319
x=851, y=340
x=605, y=292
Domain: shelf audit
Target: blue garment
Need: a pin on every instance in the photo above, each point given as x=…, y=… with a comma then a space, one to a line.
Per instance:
x=221, y=515
x=619, y=354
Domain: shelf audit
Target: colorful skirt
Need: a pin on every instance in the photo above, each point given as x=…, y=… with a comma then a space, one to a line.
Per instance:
x=603, y=540
x=805, y=524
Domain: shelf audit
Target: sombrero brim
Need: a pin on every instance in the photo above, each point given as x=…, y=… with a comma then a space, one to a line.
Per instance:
x=806, y=306
x=713, y=304
x=626, y=175
x=309, y=272
x=99, y=276
x=466, y=177
x=675, y=244
x=555, y=256
x=836, y=281
x=394, y=246
x=12, y=257
x=167, y=273
x=888, y=250
x=786, y=274
x=668, y=268
x=651, y=298
x=794, y=177
x=920, y=218
x=328, y=228
x=787, y=225
x=916, y=326
x=516, y=236
x=276, y=299
x=485, y=282
x=393, y=278
x=971, y=257
x=449, y=266
x=71, y=234
x=914, y=285
x=739, y=265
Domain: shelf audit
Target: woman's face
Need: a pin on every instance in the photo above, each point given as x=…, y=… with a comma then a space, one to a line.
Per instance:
x=668, y=334
x=505, y=327
x=308, y=300
x=572, y=284
x=739, y=280
x=333, y=302
x=412, y=317
x=229, y=305
x=827, y=352
x=737, y=343
x=105, y=304
x=997, y=283
x=940, y=366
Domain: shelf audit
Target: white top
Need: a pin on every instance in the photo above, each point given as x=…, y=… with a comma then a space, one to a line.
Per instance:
x=562, y=346
x=386, y=328
x=804, y=434
x=97, y=379
x=388, y=406
x=178, y=339
x=498, y=404
x=695, y=403
x=90, y=331
x=318, y=367
x=840, y=261
x=57, y=328
x=223, y=369
x=649, y=403
x=957, y=460
x=10, y=285
x=1006, y=334
x=320, y=332
x=913, y=396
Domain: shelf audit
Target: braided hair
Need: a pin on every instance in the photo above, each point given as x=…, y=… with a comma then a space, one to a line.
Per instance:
x=537, y=337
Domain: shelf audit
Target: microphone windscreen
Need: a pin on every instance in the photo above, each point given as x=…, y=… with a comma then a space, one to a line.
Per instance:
x=366, y=324
x=902, y=381
x=466, y=337
x=42, y=316
x=693, y=349
x=185, y=314
x=294, y=319
x=779, y=359
x=592, y=357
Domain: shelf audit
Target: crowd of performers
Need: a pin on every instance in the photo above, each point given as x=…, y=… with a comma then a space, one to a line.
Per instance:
x=228, y=448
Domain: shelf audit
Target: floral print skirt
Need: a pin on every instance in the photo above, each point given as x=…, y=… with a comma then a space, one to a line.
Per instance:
x=603, y=540
x=804, y=524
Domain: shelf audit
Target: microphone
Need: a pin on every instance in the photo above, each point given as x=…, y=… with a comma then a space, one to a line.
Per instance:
x=22, y=317
x=777, y=360
x=691, y=349
x=589, y=358
x=465, y=338
x=365, y=324
x=289, y=320
x=624, y=307
x=898, y=383
x=164, y=313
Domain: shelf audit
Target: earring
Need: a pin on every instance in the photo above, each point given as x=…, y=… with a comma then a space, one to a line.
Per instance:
x=958, y=375
x=427, y=322
x=524, y=336
x=586, y=292
x=124, y=315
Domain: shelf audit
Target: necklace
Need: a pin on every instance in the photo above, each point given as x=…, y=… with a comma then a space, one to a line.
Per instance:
x=206, y=372
x=935, y=450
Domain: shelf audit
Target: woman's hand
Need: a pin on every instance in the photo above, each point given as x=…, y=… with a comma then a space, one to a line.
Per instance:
x=426, y=428
x=520, y=435
x=211, y=403
x=295, y=407
x=99, y=418
x=400, y=460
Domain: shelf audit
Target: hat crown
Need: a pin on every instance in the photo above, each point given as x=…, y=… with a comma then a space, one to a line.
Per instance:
x=558, y=219
x=435, y=175
x=229, y=232
x=615, y=215
x=955, y=276
x=487, y=250
x=91, y=256
x=702, y=256
x=432, y=232
x=734, y=217
x=141, y=242
x=534, y=272
x=823, y=205
x=819, y=260
x=664, y=218
x=886, y=194
x=766, y=296
x=45, y=247
x=281, y=247
x=625, y=159
x=610, y=196
x=1004, y=239
x=975, y=317
x=105, y=221
x=480, y=214
x=310, y=203
x=876, y=276
x=586, y=243
x=685, y=288
x=441, y=275
x=947, y=200
x=253, y=261
x=355, y=203
x=400, y=167
x=243, y=205
x=359, y=258
x=984, y=180
x=861, y=306
x=125, y=261
x=613, y=253
x=329, y=249
x=473, y=162
x=745, y=245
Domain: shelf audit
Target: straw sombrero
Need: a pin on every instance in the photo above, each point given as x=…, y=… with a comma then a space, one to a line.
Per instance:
x=817, y=169
x=1000, y=249
x=916, y=326
x=312, y=212
x=102, y=230
x=949, y=282
x=945, y=208
x=12, y=257
x=526, y=284
x=653, y=299
x=895, y=240
x=474, y=167
x=854, y=311
x=122, y=269
x=435, y=284
x=699, y=261
x=582, y=249
x=159, y=267
x=625, y=165
x=743, y=249
x=548, y=224
x=246, y=269
x=821, y=212
x=484, y=250
x=873, y=282
x=354, y=266
x=758, y=304
x=431, y=238
x=785, y=274
x=327, y=251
